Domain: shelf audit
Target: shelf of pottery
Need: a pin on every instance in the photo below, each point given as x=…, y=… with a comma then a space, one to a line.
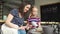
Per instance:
x=1, y=10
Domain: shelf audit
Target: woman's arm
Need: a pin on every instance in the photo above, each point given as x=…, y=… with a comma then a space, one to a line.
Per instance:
x=8, y=22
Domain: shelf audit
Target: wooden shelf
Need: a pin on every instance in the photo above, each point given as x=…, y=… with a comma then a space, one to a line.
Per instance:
x=1, y=10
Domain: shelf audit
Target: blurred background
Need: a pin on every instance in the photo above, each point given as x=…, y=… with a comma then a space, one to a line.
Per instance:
x=48, y=11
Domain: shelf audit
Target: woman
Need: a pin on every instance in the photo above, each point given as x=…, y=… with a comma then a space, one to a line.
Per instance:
x=34, y=20
x=15, y=20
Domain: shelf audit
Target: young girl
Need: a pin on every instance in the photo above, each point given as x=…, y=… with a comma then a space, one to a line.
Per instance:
x=34, y=20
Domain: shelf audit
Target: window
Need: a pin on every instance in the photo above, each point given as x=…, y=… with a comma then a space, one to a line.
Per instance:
x=50, y=13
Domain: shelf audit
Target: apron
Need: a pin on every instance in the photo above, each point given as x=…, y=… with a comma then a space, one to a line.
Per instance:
x=7, y=30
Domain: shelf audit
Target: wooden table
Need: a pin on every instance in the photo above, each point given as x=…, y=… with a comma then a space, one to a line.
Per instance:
x=1, y=22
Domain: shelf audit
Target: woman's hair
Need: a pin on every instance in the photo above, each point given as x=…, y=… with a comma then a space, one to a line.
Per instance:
x=22, y=5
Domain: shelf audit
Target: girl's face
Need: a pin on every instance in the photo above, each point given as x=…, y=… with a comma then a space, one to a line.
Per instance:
x=27, y=7
x=34, y=11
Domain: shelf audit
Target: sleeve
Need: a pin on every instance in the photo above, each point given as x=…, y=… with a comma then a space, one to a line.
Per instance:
x=13, y=12
x=28, y=19
x=39, y=20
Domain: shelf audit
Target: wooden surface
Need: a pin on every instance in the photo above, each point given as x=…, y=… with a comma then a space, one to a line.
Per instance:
x=2, y=21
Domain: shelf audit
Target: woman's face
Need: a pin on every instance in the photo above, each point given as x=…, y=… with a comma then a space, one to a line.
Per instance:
x=26, y=8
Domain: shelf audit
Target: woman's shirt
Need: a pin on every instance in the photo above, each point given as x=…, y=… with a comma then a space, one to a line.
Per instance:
x=16, y=19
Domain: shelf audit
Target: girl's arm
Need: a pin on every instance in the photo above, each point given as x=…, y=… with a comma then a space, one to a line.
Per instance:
x=39, y=24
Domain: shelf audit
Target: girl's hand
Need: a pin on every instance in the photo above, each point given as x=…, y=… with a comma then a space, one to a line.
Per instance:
x=30, y=26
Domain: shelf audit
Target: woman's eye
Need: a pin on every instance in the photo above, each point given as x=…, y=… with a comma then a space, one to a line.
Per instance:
x=27, y=7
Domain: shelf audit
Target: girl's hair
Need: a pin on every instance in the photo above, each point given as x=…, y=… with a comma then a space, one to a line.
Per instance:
x=32, y=10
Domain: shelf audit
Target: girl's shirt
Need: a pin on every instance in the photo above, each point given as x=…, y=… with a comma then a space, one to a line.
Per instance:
x=34, y=21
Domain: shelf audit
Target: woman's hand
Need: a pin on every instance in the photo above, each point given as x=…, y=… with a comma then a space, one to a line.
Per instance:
x=22, y=27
